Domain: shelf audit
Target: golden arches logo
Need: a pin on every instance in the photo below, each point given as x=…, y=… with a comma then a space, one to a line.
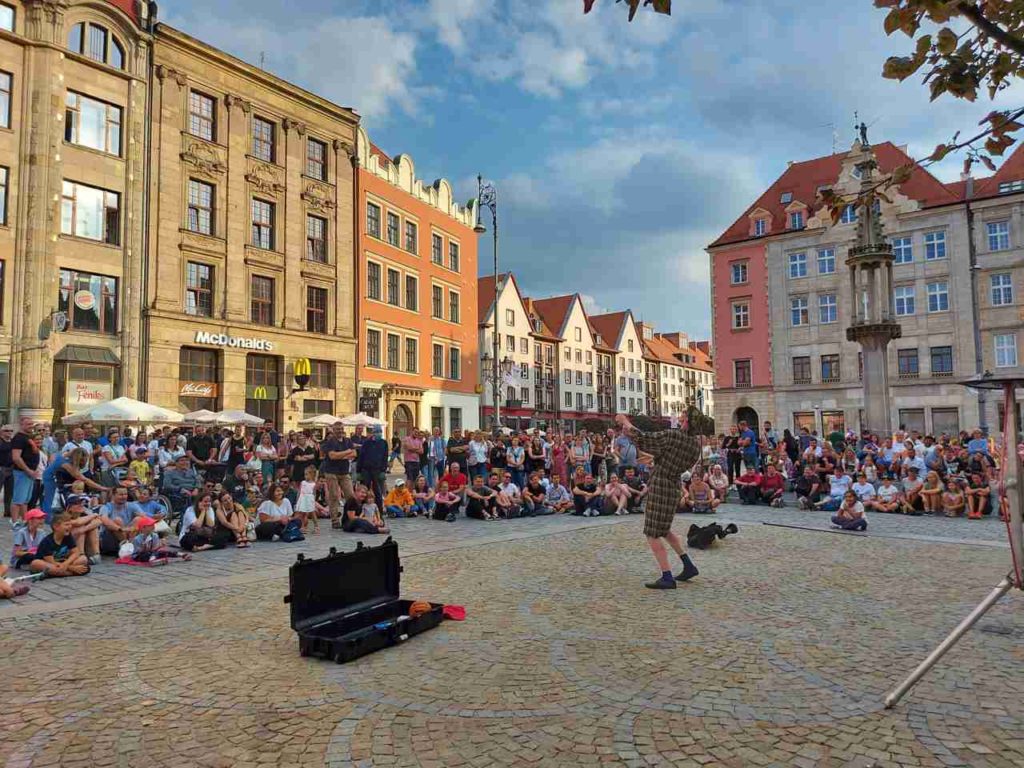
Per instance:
x=259, y=393
x=303, y=367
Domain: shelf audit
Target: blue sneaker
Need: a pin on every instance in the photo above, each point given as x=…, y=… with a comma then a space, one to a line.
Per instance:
x=689, y=570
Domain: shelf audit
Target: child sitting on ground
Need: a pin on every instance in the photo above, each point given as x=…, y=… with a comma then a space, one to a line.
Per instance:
x=953, y=499
x=147, y=545
x=371, y=513
x=57, y=555
x=446, y=503
x=28, y=539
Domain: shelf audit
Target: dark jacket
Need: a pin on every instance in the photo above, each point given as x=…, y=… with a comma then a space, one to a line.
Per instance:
x=373, y=456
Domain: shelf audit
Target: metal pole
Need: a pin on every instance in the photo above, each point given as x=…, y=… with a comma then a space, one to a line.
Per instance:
x=497, y=349
x=961, y=629
x=1011, y=478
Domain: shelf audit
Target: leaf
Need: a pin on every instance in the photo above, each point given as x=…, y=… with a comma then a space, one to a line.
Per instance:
x=901, y=174
x=947, y=41
x=940, y=152
x=633, y=5
x=661, y=6
x=988, y=163
x=892, y=21
x=588, y=5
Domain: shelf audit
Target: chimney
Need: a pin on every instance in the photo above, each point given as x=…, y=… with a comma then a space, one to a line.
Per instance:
x=968, y=181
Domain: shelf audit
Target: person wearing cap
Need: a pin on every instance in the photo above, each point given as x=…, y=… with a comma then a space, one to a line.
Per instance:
x=28, y=539
x=58, y=555
x=399, y=501
x=147, y=546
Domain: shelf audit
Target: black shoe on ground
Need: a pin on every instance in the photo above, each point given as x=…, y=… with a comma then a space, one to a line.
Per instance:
x=689, y=570
x=661, y=583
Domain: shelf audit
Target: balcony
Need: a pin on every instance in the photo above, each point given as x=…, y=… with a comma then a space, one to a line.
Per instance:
x=513, y=404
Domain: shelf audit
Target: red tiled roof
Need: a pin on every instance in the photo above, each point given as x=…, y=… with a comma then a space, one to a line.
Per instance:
x=1012, y=169
x=609, y=326
x=375, y=150
x=659, y=349
x=484, y=296
x=128, y=6
x=553, y=311
x=803, y=179
x=545, y=331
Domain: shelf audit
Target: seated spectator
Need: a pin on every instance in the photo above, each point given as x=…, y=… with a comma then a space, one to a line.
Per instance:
x=511, y=492
x=197, y=528
x=719, y=482
x=865, y=491
x=771, y=487
x=870, y=470
x=977, y=444
x=232, y=519
x=683, y=505
x=181, y=481
x=237, y=484
x=912, y=485
x=423, y=498
x=587, y=497
x=117, y=516
x=290, y=490
x=456, y=480
x=808, y=488
x=638, y=488
x=850, y=515
x=57, y=555
x=702, y=497
x=354, y=515
x=27, y=539
x=399, y=501
x=838, y=485
x=502, y=504
x=748, y=485
x=953, y=500
x=274, y=514
x=978, y=494
x=931, y=493
x=147, y=546
x=887, y=498
x=557, y=499
x=150, y=507
x=534, y=495
x=446, y=503
x=480, y=500
x=616, y=497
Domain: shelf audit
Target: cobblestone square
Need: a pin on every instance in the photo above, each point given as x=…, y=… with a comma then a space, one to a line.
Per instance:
x=779, y=654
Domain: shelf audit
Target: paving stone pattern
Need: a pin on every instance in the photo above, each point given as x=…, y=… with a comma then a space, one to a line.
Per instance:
x=778, y=654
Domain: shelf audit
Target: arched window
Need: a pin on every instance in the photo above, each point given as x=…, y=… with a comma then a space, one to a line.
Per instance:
x=96, y=42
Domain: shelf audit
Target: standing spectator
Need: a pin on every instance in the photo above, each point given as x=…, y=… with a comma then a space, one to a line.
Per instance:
x=202, y=450
x=560, y=457
x=456, y=448
x=357, y=438
x=536, y=454
x=625, y=452
x=733, y=454
x=25, y=460
x=434, y=466
x=336, y=453
x=791, y=444
x=266, y=453
x=748, y=445
x=232, y=449
x=303, y=454
x=396, y=451
x=412, y=453
x=498, y=456
x=476, y=456
x=373, y=465
x=515, y=460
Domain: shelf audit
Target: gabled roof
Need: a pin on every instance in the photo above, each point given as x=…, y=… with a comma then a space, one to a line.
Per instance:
x=544, y=332
x=660, y=350
x=1011, y=170
x=554, y=311
x=485, y=294
x=611, y=326
x=801, y=182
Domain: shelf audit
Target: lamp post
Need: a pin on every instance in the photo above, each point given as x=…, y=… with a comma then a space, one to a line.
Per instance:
x=487, y=197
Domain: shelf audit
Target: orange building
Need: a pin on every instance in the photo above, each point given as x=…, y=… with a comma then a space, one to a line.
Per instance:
x=416, y=297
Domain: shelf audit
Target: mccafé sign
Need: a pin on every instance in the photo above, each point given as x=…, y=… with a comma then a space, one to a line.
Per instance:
x=198, y=389
x=240, y=342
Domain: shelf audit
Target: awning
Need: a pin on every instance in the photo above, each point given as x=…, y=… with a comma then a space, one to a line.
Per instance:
x=77, y=353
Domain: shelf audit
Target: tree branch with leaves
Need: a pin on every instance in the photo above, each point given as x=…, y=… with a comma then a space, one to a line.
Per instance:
x=659, y=6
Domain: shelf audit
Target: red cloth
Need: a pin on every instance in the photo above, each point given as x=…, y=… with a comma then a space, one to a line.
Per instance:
x=772, y=482
x=455, y=482
x=454, y=612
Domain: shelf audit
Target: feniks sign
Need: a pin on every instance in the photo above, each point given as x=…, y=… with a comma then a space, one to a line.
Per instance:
x=223, y=340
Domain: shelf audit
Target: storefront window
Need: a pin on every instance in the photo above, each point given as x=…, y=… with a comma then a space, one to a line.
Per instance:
x=832, y=421
x=316, y=407
x=801, y=420
x=87, y=385
x=198, y=382
x=90, y=301
x=262, y=386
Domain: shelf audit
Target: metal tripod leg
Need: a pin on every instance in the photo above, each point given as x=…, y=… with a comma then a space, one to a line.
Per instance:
x=961, y=629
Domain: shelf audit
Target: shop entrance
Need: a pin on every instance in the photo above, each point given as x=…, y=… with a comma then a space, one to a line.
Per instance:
x=401, y=422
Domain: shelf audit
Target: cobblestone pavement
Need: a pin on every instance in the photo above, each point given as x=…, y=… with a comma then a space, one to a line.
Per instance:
x=778, y=654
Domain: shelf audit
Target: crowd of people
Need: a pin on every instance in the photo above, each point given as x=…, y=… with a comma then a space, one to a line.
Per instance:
x=74, y=496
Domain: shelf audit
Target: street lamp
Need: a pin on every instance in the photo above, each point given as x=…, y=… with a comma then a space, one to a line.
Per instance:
x=487, y=197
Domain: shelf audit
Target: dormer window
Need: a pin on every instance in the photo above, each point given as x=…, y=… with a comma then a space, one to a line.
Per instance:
x=1007, y=187
x=796, y=220
x=760, y=227
x=787, y=198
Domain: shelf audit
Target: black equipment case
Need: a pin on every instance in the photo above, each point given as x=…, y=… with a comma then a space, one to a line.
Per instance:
x=346, y=605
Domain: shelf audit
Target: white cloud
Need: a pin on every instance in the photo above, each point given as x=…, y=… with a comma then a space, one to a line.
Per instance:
x=451, y=18
x=592, y=306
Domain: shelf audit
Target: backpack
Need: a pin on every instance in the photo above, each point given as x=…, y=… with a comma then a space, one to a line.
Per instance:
x=702, y=537
x=292, y=532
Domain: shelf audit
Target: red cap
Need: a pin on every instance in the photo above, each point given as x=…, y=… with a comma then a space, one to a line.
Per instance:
x=142, y=522
x=35, y=514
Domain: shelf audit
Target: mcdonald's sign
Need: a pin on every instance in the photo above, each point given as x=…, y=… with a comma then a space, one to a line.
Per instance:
x=302, y=370
x=262, y=392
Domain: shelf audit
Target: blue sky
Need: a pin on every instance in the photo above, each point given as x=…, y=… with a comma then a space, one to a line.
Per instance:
x=619, y=150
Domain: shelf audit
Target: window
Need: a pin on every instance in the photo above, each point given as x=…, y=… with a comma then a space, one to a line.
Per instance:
x=801, y=370
x=510, y=317
x=568, y=376
x=90, y=123
x=89, y=301
x=263, y=139
x=579, y=401
x=262, y=302
x=760, y=227
x=394, y=292
x=316, y=309
x=524, y=346
x=97, y=43
x=321, y=374
x=454, y=363
x=945, y=421
x=437, y=361
x=904, y=295
x=200, y=207
x=262, y=224
x=902, y=250
x=797, y=265
x=828, y=311
x=739, y=272
x=579, y=358
x=393, y=229
x=829, y=368
x=412, y=290
x=436, y=248
x=1002, y=289
x=3, y=194
x=197, y=378
x=524, y=395
x=316, y=239
x=90, y=212
x=568, y=400
x=199, y=289
x=590, y=402
x=316, y=159
x=568, y=354
x=740, y=315
x=942, y=361
x=998, y=235
x=796, y=220
x=392, y=351
x=1006, y=350
x=453, y=307
x=826, y=261
x=906, y=363
x=202, y=116
x=579, y=378
x=629, y=346
x=590, y=358
x=524, y=370
x=622, y=382
x=622, y=404
x=741, y=373
x=938, y=297
x=373, y=280
x=436, y=302
x=373, y=219
x=6, y=17
x=934, y=245
x=590, y=378
x=5, y=99
x=453, y=256
x=411, y=237
x=849, y=214
x=412, y=357
x=798, y=311
x=373, y=348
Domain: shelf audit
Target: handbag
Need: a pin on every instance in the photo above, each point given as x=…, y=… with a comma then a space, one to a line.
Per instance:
x=292, y=532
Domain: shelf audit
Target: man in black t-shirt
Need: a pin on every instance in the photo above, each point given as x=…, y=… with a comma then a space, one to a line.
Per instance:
x=25, y=460
x=457, y=448
x=337, y=453
x=302, y=455
x=202, y=450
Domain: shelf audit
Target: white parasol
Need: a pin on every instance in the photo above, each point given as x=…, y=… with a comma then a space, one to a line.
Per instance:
x=362, y=420
x=320, y=420
x=124, y=410
x=233, y=418
x=201, y=416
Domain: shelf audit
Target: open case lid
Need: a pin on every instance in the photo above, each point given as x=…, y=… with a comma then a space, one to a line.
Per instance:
x=342, y=583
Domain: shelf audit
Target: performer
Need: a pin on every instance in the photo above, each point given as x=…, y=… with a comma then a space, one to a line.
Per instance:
x=674, y=452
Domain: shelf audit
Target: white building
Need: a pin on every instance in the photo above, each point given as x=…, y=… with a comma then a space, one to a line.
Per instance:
x=620, y=331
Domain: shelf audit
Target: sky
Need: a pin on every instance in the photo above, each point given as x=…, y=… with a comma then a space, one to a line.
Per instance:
x=619, y=151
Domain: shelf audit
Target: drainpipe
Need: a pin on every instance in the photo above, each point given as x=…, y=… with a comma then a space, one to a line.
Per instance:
x=143, y=391
x=972, y=253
